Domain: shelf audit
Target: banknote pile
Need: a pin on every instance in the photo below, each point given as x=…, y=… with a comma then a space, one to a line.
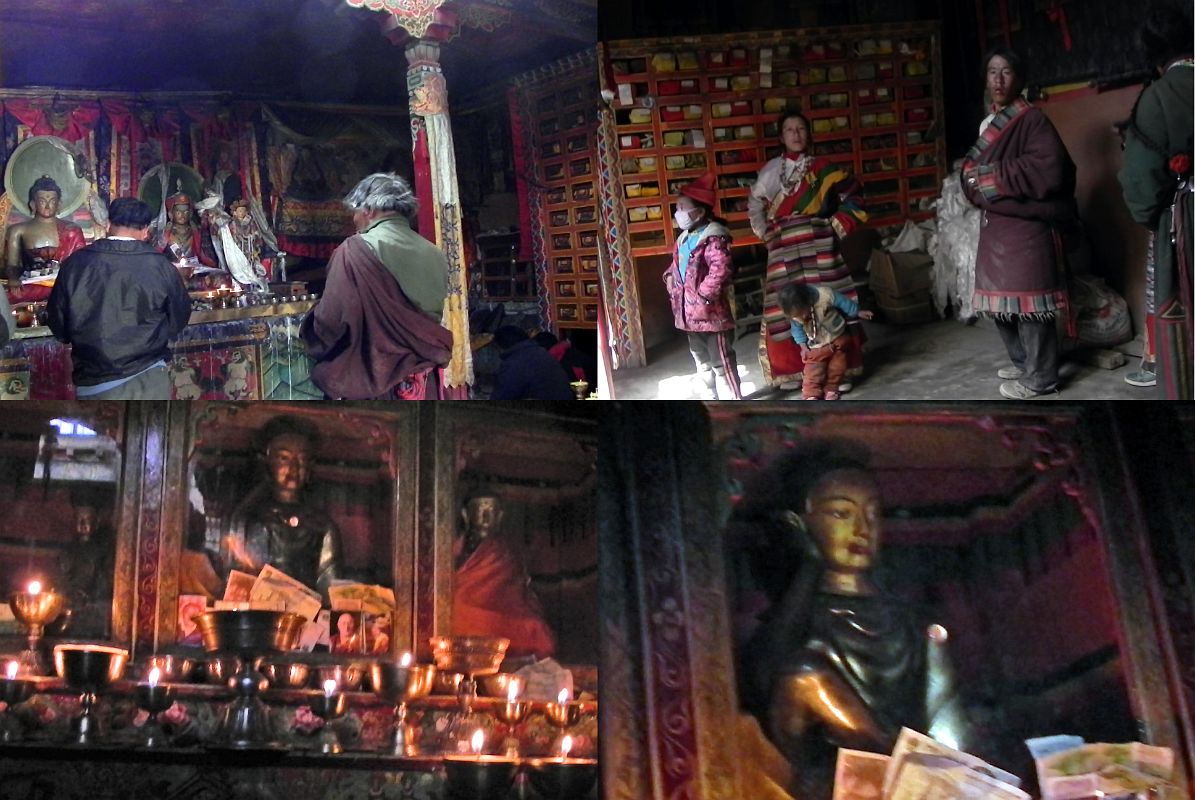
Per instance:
x=1070, y=769
x=921, y=768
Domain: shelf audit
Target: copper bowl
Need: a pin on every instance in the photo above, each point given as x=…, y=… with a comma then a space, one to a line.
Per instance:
x=171, y=668
x=446, y=682
x=286, y=675
x=249, y=632
x=472, y=655
x=497, y=685
x=395, y=683
x=347, y=676
x=219, y=669
x=89, y=666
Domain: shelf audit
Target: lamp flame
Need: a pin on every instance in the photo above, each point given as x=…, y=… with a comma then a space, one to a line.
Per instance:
x=566, y=744
x=11, y=670
x=405, y=661
x=512, y=690
x=562, y=698
x=34, y=587
x=478, y=741
x=155, y=675
x=329, y=687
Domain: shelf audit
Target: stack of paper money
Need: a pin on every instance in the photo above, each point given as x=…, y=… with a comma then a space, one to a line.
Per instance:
x=1069, y=769
x=921, y=768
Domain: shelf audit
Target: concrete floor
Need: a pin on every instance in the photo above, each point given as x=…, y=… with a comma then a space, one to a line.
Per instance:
x=944, y=360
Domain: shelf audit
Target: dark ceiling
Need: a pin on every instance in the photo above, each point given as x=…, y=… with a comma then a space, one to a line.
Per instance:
x=302, y=50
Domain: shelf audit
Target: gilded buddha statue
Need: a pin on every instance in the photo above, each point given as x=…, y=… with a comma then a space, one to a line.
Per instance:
x=278, y=523
x=40, y=243
x=837, y=662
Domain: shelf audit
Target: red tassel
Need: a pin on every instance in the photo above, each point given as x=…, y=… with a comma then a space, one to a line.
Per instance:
x=423, y=186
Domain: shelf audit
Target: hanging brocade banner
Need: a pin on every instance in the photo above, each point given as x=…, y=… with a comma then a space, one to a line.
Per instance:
x=415, y=16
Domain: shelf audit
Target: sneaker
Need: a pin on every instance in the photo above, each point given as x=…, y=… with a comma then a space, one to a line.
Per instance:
x=844, y=387
x=834, y=395
x=1141, y=377
x=1009, y=373
x=1015, y=390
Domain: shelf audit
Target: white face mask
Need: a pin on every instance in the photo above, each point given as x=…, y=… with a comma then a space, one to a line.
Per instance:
x=684, y=218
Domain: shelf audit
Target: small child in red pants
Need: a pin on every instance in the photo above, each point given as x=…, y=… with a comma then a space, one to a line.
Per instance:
x=817, y=316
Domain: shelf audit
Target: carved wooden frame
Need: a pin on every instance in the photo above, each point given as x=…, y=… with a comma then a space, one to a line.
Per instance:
x=666, y=480
x=170, y=440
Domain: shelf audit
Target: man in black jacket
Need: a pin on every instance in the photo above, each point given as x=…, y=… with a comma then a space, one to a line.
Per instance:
x=527, y=371
x=118, y=303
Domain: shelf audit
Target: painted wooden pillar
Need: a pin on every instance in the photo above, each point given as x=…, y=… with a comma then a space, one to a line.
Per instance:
x=431, y=137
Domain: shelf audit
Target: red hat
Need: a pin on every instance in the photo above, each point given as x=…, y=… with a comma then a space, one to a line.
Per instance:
x=701, y=190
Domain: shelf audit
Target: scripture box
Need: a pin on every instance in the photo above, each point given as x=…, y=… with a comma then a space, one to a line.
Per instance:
x=906, y=309
x=898, y=274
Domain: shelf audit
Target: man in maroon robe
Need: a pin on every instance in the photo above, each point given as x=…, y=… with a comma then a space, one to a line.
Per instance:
x=376, y=332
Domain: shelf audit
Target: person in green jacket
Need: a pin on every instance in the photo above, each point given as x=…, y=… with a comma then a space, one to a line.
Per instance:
x=1156, y=180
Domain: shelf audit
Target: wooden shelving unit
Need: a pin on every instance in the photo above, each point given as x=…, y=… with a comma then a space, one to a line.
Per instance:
x=502, y=276
x=686, y=106
x=563, y=137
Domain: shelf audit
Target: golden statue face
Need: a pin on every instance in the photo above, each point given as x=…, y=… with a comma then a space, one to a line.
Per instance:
x=842, y=513
x=483, y=515
x=45, y=203
x=288, y=459
x=240, y=213
x=180, y=214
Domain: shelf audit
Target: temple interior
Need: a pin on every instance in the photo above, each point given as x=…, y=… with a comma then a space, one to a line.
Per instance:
x=1043, y=551
x=285, y=107
x=446, y=612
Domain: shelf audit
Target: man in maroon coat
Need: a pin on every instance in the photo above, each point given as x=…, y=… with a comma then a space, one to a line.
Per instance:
x=376, y=332
x=699, y=286
x=1022, y=178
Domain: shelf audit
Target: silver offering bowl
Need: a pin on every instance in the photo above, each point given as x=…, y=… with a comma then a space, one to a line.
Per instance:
x=35, y=610
x=580, y=389
x=479, y=777
x=13, y=691
x=396, y=683
x=90, y=668
x=471, y=655
x=248, y=634
x=154, y=698
x=563, y=778
x=329, y=706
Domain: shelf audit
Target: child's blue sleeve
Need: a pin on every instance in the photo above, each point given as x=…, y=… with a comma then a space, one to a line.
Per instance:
x=846, y=305
x=798, y=332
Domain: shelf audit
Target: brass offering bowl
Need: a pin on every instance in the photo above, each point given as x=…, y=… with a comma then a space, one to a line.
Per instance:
x=347, y=676
x=396, y=683
x=91, y=669
x=286, y=675
x=12, y=692
x=171, y=668
x=154, y=698
x=479, y=777
x=497, y=685
x=329, y=707
x=249, y=634
x=563, y=715
x=219, y=669
x=471, y=655
x=562, y=778
x=35, y=610
x=447, y=683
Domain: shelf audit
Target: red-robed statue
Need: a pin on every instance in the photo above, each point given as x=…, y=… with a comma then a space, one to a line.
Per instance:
x=491, y=595
x=37, y=246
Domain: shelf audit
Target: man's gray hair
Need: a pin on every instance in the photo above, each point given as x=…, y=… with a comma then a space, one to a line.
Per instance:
x=383, y=191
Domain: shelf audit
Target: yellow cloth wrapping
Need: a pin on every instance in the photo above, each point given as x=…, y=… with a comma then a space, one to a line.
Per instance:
x=764, y=771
